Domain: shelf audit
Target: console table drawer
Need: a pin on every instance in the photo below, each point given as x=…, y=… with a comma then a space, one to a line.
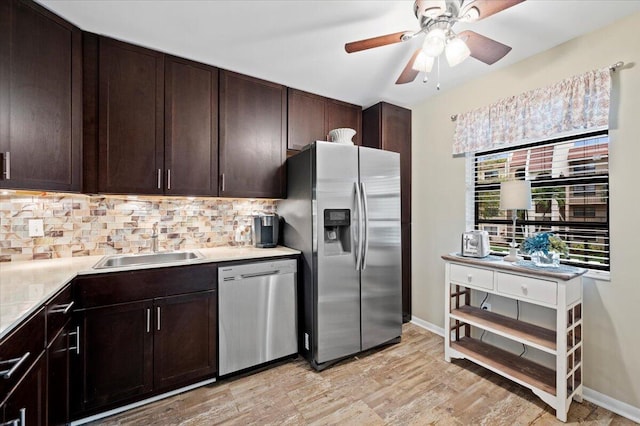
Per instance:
x=533, y=289
x=474, y=277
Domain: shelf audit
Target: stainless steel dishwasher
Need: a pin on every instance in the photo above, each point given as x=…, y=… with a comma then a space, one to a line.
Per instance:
x=256, y=314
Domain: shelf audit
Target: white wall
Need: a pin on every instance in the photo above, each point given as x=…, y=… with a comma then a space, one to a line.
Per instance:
x=612, y=309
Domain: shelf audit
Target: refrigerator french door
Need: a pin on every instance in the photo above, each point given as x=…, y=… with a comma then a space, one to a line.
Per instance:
x=343, y=212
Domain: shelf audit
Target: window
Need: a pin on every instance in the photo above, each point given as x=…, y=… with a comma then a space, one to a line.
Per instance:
x=570, y=195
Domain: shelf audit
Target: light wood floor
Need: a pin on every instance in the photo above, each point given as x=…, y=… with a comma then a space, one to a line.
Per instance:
x=404, y=384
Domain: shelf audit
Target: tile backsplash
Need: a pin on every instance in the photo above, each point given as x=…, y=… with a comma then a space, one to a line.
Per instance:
x=81, y=225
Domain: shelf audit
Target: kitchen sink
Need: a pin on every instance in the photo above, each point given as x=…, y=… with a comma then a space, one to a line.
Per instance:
x=117, y=261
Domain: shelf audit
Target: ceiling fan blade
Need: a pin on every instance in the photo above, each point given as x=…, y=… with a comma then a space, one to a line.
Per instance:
x=408, y=73
x=484, y=48
x=370, y=43
x=486, y=8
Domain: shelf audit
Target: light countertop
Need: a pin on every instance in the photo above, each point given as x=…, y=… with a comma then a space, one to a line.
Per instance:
x=25, y=286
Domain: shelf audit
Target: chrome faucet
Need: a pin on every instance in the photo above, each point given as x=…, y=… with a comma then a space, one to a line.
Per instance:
x=154, y=238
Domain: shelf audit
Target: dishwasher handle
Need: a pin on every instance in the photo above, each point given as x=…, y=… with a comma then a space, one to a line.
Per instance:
x=260, y=274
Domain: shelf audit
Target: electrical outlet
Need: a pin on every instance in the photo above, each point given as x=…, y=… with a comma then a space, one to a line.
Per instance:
x=36, y=228
x=486, y=306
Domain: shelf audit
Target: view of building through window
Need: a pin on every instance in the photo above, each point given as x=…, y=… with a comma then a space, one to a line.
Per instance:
x=570, y=195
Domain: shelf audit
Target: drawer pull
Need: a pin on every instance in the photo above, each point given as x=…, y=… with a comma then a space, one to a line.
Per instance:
x=20, y=421
x=524, y=288
x=6, y=374
x=62, y=308
x=469, y=277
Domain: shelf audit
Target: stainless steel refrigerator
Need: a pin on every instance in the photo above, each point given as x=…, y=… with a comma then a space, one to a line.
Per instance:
x=343, y=212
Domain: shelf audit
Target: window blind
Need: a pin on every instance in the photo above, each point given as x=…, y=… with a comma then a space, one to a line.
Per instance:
x=570, y=195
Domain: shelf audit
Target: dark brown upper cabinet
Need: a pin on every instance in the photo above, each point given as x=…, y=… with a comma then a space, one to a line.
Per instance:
x=341, y=114
x=191, y=128
x=253, y=137
x=130, y=119
x=311, y=117
x=41, y=99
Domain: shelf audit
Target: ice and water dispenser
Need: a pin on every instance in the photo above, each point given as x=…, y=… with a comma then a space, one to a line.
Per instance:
x=337, y=232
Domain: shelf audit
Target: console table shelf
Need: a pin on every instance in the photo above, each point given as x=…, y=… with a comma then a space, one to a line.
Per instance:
x=510, y=365
x=520, y=331
x=561, y=292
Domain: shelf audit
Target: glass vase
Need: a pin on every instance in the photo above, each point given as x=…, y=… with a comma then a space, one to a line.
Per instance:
x=546, y=260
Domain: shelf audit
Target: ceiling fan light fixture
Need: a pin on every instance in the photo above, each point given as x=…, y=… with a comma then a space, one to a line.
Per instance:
x=434, y=42
x=472, y=14
x=430, y=8
x=423, y=63
x=456, y=51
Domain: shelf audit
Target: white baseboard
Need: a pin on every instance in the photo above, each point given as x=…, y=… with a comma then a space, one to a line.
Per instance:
x=427, y=326
x=621, y=408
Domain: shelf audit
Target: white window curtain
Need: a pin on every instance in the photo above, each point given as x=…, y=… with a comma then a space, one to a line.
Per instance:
x=575, y=103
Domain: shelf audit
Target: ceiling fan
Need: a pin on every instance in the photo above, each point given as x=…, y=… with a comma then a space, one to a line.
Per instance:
x=437, y=17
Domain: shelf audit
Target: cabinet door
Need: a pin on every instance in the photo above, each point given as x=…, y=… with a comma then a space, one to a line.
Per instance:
x=406, y=272
x=28, y=398
x=130, y=121
x=252, y=137
x=306, y=122
x=191, y=128
x=116, y=349
x=396, y=136
x=58, y=379
x=340, y=114
x=185, y=338
x=41, y=101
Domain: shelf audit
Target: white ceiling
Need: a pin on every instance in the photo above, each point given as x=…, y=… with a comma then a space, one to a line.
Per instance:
x=301, y=43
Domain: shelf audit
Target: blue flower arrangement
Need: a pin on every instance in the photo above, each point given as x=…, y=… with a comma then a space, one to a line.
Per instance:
x=544, y=241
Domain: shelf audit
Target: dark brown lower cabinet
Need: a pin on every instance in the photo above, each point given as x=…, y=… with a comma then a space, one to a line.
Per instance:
x=26, y=402
x=142, y=333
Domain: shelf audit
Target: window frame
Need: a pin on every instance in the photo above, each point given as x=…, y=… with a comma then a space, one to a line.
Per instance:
x=595, y=181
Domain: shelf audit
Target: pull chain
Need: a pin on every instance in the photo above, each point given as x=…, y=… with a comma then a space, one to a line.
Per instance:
x=438, y=85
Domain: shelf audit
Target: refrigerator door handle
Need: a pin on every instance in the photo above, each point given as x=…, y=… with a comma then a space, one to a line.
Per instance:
x=365, y=241
x=358, y=232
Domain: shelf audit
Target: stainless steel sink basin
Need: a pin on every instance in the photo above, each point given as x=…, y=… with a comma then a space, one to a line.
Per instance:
x=117, y=261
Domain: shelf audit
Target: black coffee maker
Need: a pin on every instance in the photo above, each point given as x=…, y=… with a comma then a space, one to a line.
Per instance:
x=265, y=230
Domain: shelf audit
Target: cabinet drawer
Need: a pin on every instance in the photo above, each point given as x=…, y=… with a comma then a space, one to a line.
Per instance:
x=58, y=312
x=473, y=277
x=532, y=289
x=27, y=338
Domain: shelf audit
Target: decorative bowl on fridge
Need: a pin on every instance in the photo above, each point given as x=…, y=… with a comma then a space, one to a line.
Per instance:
x=342, y=135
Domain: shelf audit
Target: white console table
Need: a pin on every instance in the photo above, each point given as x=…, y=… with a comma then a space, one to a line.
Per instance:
x=559, y=290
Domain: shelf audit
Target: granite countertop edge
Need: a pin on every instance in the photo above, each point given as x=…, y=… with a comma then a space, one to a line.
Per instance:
x=26, y=286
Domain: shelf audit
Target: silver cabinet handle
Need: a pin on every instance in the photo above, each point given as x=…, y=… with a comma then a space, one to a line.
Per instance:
x=365, y=243
x=6, y=374
x=7, y=165
x=159, y=178
x=158, y=317
x=168, y=178
x=148, y=320
x=20, y=421
x=222, y=182
x=64, y=309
